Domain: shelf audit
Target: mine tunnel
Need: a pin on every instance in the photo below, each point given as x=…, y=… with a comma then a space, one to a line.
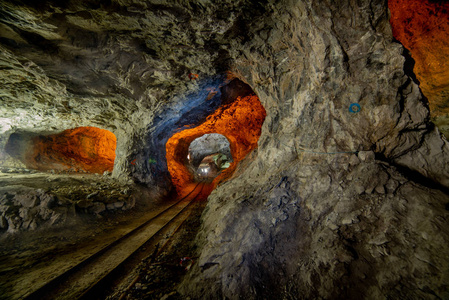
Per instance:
x=224, y=149
x=208, y=155
x=236, y=123
x=82, y=149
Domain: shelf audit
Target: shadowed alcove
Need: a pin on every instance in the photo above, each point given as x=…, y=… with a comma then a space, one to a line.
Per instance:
x=82, y=149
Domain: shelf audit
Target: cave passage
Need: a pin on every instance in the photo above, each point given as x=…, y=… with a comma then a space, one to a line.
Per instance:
x=208, y=155
x=239, y=120
x=82, y=149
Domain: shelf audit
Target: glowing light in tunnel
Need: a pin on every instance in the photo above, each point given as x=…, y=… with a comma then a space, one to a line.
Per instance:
x=422, y=26
x=204, y=170
x=240, y=122
x=88, y=149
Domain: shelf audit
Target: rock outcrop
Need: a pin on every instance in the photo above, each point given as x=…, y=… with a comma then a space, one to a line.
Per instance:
x=34, y=201
x=307, y=217
x=423, y=28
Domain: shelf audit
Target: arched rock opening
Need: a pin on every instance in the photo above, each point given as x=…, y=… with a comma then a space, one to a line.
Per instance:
x=208, y=155
x=82, y=149
x=239, y=121
x=208, y=144
x=150, y=162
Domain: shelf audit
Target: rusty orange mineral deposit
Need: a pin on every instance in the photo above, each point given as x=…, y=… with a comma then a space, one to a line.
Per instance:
x=240, y=122
x=87, y=149
x=422, y=26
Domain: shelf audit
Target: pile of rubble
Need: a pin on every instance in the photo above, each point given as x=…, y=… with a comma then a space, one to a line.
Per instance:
x=48, y=200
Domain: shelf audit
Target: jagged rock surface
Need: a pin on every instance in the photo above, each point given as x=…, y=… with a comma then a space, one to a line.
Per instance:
x=321, y=223
x=30, y=201
x=327, y=207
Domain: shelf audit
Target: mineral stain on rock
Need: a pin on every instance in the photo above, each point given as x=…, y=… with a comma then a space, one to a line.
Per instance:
x=86, y=149
x=423, y=28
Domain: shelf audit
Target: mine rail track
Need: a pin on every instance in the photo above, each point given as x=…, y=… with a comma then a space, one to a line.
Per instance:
x=77, y=279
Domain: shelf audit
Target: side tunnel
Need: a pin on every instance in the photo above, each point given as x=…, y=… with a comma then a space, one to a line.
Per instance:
x=148, y=162
x=224, y=105
x=239, y=121
x=206, y=145
x=82, y=149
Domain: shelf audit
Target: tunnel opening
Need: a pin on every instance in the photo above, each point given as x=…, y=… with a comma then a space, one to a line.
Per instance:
x=239, y=119
x=81, y=149
x=208, y=156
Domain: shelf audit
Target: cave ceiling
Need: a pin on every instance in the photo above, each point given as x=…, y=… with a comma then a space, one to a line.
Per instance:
x=120, y=64
x=126, y=57
x=133, y=67
x=144, y=70
x=85, y=63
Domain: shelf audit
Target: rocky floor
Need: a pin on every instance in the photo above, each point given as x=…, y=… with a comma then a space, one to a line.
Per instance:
x=21, y=249
x=158, y=275
x=30, y=200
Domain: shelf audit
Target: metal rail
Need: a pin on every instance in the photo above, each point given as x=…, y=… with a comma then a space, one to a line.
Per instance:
x=81, y=278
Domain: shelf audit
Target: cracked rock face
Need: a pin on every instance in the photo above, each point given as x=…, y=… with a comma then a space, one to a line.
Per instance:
x=40, y=201
x=334, y=202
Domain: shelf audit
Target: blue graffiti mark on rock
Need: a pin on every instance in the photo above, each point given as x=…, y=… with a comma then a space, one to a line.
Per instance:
x=354, y=108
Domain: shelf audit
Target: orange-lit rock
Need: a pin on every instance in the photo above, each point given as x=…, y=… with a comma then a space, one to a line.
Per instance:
x=422, y=26
x=81, y=149
x=240, y=122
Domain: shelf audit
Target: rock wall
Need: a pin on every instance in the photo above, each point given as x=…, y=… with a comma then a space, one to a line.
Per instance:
x=240, y=122
x=40, y=201
x=423, y=28
x=321, y=210
x=83, y=149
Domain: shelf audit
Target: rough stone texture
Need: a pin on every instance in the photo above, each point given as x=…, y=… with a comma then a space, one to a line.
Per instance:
x=333, y=204
x=315, y=226
x=32, y=201
x=26, y=208
x=86, y=149
x=240, y=122
x=123, y=67
x=308, y=233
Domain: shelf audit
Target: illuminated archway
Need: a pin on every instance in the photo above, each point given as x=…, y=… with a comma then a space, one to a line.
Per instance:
x=240, y=121
x=87, y=149
x=208, y=144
